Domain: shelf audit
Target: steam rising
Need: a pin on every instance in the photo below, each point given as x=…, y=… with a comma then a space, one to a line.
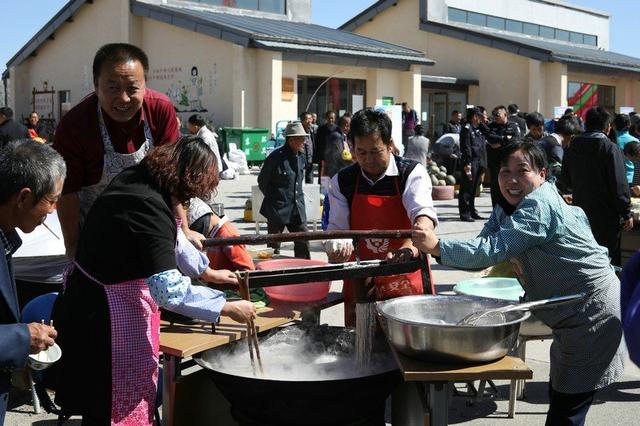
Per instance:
x=302, y=353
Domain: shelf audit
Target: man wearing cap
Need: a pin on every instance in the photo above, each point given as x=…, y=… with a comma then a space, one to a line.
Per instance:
x=280, y=181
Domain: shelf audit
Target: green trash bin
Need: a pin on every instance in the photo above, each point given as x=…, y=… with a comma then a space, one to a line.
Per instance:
x=253, y=142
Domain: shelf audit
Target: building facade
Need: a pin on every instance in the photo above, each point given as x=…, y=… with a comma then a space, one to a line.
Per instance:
x=539, y=54
x=247, y=66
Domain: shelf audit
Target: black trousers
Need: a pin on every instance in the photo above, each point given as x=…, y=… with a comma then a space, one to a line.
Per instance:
x=568, y=409
x=468, y=188
x=300, y=248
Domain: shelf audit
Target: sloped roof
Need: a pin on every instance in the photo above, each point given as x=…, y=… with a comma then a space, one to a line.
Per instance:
x=297, y=40
x=286, y=36
x=537, y=48
x=47, y=31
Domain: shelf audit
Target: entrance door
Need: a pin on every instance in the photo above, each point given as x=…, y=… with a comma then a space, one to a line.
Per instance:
x=437, y=106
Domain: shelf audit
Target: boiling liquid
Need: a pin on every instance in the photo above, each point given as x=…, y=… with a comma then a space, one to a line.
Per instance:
x=365, y=333
x=297, y=354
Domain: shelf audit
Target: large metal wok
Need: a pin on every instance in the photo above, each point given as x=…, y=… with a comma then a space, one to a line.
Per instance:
x=309, y=379
x=425, y=327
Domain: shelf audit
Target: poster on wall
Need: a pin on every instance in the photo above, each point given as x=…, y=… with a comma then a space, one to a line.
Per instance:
x=183, y=85
x=626, y=109
x=395, y=113
x=357, y=102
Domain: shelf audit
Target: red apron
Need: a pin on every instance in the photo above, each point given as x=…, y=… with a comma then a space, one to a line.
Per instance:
x=369, y=211
x=135, y=341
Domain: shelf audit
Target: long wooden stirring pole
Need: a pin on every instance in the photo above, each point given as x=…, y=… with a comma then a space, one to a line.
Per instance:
x=252, y=324
x=245, y=296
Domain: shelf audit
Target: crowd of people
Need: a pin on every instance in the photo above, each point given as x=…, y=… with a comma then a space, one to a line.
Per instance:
x=129, y=191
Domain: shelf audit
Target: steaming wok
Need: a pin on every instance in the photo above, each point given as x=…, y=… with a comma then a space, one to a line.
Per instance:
x=310, y=378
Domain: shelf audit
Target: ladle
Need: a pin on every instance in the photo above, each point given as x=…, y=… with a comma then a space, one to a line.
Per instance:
x=496, y=316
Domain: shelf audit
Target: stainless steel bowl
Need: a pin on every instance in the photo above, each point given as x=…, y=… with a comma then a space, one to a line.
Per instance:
x=424, y=327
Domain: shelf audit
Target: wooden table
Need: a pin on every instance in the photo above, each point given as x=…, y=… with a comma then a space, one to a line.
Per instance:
x=181, y=341
x=437, y=378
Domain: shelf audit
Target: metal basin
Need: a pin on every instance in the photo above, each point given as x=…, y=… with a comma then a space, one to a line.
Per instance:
x=424, y=327
x=504, y=289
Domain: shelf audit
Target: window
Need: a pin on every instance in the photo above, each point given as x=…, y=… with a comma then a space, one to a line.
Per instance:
x=246, y=4
x=582, y=96
x=477, y=19
x=562, y=35
x=547, y=32
x=457, y=15
x=495, y=22
x=273, y=6
x=514, y=26
x=530, y=29
x=576, y=38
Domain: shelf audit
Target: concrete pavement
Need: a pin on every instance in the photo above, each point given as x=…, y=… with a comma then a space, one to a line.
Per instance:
x=617, y=405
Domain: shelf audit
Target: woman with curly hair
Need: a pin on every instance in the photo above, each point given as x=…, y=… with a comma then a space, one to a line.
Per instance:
x=107, y=315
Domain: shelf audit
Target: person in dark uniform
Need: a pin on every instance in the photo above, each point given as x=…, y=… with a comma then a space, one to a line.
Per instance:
x=498, y=134
x=472, y=144
x=515, y=118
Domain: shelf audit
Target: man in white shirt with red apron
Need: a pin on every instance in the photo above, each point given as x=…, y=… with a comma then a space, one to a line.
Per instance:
x=380, y=191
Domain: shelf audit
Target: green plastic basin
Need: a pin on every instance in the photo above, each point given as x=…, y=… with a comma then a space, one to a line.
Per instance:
x=495, y=288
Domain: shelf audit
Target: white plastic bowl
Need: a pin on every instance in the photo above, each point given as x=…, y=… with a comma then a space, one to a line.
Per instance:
x=45, y=359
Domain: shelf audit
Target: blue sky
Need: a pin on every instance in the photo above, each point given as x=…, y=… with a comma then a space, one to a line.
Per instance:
x=21, y=19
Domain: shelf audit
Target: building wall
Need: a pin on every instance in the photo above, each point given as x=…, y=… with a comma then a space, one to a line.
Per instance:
x=65, y=63
x=535, y=12
x=503, y=77
x=193, y=69
x=228, y=84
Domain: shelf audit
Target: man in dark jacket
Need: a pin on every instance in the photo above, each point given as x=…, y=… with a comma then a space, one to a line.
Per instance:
x=337, y=153
x=10, y=130
x=498, y=134
x=280, y=181
x=322, y=134
x=454, y=125
x=306, y=120
x=31, y=179
x=472, y=144
x=515, y=118
x=593, y=167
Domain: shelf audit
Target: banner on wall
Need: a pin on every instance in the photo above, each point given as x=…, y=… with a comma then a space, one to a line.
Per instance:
x=395, y=113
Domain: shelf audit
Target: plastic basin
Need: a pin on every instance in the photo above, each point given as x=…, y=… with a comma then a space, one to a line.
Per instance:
x=491, y=287
x=307, y=292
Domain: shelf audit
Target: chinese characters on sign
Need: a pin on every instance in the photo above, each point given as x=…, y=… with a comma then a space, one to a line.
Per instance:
x=165, y=73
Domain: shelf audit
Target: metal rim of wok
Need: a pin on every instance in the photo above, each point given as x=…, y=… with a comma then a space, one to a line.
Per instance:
x=383, y=307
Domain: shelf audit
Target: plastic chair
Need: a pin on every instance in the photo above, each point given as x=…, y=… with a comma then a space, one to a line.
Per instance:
x=38, y=310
